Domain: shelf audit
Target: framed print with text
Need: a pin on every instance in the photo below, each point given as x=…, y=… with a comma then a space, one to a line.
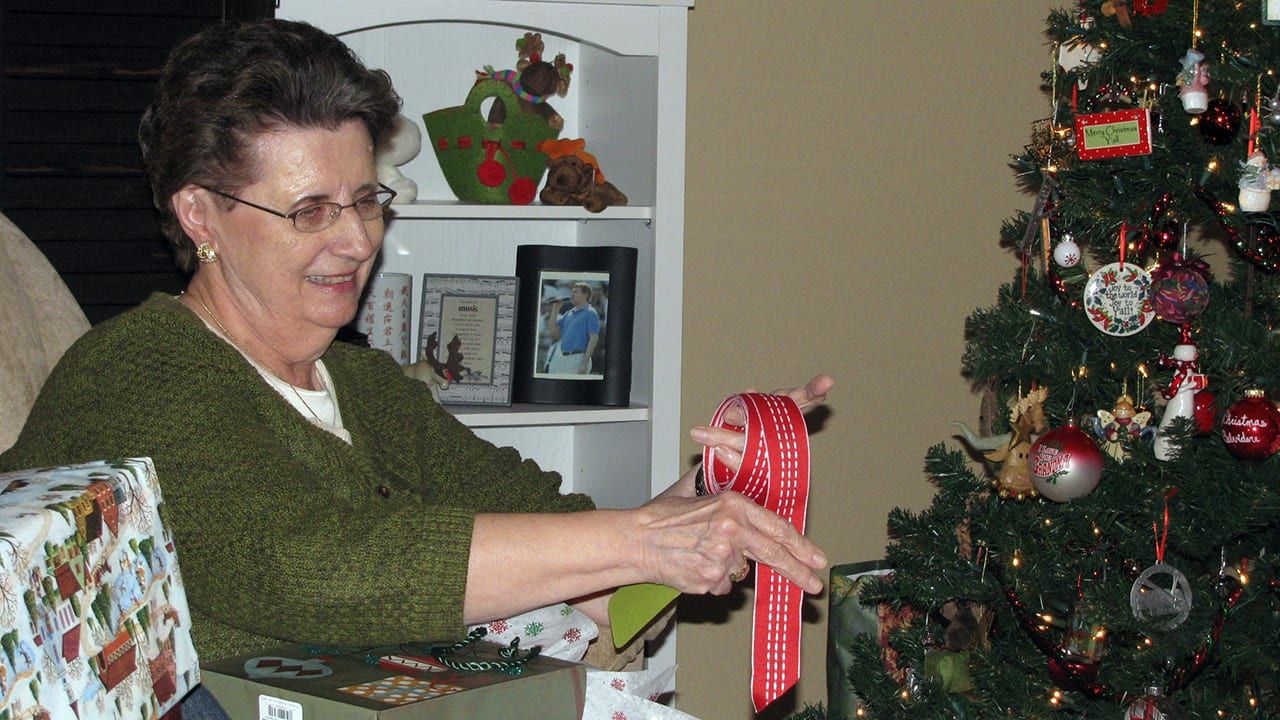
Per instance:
x=467, y=335
x=1271, y=12
x=574, y=324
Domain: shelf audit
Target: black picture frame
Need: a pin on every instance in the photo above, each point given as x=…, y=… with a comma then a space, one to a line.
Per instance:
x=590, y=375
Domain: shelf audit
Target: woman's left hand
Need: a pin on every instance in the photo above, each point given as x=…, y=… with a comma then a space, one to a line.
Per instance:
x=729, y=445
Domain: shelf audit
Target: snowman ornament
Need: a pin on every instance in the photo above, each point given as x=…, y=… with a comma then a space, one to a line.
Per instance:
x=1181, y=393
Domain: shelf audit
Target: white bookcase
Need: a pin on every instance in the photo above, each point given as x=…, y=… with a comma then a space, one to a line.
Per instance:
x=627, y=99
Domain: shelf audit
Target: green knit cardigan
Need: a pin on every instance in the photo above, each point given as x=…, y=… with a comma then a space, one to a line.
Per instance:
x=283, y=531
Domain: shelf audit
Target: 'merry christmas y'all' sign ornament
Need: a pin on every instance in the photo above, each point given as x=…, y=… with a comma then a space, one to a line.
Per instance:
x=1113, y=134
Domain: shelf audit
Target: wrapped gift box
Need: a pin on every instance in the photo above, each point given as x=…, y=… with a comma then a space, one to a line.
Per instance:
x=297, y=682
x=93, y=618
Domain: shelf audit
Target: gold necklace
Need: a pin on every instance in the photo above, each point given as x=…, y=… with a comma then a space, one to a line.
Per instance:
x=231, y=339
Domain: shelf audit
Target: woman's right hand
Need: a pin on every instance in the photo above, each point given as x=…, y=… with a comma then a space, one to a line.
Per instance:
x=695, y=545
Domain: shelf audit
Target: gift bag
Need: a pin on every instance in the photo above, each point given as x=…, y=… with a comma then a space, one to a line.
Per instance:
x=485, y=162
x=613, y=695
x=563, y=632
x=848, y=618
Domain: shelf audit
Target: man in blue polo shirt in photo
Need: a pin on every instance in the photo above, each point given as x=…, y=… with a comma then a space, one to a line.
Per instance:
x=577, y=331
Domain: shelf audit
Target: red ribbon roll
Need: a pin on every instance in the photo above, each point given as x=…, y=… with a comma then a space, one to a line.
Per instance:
x=775, y=475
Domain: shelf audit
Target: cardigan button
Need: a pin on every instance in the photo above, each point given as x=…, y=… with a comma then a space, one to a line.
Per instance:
x=384, y=491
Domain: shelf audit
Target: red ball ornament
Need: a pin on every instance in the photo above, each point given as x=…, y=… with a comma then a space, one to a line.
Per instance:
x=1072, y=675
x=1206, y=412
x=1251, y=427
x=1065, y=463
x=1220, y=122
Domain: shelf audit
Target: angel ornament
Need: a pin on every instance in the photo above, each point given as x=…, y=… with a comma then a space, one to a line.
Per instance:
x=1026, y=417
x=1122, y=424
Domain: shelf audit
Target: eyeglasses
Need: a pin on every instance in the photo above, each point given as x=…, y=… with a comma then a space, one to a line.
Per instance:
x=314, y=218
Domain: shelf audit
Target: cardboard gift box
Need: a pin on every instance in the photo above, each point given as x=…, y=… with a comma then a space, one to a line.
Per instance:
x=93, y=617
x=297, y=682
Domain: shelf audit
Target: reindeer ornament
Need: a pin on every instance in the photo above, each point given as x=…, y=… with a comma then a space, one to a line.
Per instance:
x=1026, y=417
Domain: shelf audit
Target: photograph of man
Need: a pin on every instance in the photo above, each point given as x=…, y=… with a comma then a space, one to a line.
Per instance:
x=574, y=333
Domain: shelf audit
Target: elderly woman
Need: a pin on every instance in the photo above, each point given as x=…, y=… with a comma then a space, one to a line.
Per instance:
x=315, y=492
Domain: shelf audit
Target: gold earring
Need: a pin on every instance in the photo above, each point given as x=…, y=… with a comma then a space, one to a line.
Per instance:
x=206, y=254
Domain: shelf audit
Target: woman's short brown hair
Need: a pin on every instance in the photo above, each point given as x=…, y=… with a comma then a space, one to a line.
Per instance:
x=231, y=81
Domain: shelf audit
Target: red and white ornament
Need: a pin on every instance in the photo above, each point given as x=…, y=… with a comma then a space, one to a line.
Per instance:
x=1251, y=427
x=1181, y=393
x=1066, y=253
x=1153, y=706
x=1065, y=463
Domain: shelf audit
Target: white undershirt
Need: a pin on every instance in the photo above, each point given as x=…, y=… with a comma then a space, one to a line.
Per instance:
x=318, y=407
x=322, y=402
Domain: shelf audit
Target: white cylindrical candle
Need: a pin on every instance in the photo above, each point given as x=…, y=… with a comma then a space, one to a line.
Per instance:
x=387, y=313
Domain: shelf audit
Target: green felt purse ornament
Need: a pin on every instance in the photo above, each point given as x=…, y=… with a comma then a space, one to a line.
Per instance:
x=485, y=162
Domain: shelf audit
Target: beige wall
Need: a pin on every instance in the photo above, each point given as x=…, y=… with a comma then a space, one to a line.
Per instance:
x=847, y=179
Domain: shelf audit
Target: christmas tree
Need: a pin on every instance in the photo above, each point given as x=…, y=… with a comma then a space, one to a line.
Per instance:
x=1106, y=545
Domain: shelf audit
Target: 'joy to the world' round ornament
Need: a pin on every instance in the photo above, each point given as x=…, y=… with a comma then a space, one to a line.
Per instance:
x=1065, y=463
x=1251, y=427
x=1117, y=299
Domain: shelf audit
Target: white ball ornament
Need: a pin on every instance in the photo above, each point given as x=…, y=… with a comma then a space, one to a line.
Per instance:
x=1067, y=253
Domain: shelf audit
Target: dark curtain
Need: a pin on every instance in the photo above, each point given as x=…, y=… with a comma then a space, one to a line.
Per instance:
x=77, y=76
